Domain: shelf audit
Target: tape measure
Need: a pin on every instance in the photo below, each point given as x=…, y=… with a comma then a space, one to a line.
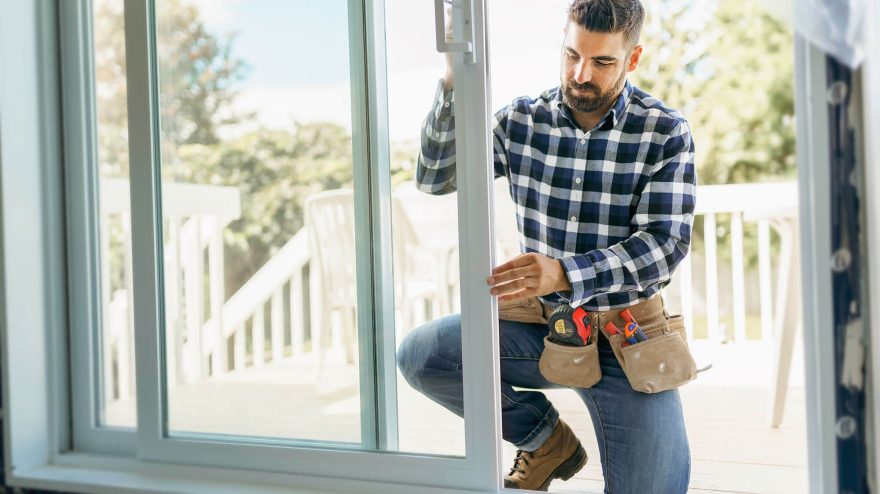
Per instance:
x=569, y=326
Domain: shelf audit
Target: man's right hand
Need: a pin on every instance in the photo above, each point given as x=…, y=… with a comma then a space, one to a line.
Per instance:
x=447, y=78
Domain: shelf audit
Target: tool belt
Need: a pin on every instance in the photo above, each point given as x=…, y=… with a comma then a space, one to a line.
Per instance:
x=660, y=363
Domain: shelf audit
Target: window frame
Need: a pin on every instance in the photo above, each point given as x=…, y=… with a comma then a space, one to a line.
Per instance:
x=34, y=337
x=814, y=205
x=33, y=321
x=83, y=240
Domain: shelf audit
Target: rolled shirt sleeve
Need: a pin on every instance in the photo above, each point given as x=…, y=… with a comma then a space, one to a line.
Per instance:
x=435, y=172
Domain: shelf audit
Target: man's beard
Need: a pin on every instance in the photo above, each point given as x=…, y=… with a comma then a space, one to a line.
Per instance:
x=594, y=99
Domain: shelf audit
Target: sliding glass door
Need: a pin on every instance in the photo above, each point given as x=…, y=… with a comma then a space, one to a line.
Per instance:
x=279, y=250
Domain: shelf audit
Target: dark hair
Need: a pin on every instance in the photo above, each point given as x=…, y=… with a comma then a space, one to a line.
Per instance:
x=609, y=16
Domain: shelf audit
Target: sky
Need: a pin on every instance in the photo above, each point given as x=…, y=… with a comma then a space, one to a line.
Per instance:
x=298, y=51
x=299, y=56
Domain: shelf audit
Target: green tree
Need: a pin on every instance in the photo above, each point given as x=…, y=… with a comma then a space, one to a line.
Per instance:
x=197, y=80
x=728, y=66
x=729, y=69
x=197, y=74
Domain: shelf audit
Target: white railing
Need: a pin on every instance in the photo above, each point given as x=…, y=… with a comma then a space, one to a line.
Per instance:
x=769, y=205
x=248, y=304
x=194, y=219
x=203, y=345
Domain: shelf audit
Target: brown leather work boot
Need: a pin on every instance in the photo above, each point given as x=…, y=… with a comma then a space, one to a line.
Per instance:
x=560, y=457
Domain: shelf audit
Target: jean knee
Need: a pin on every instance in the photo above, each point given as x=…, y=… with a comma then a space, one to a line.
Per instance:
x=411, y=358
x=405, y=356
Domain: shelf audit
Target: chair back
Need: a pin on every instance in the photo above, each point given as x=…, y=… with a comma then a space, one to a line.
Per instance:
x=329, y=216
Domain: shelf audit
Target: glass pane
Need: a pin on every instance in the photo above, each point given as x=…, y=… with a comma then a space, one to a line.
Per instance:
x=117, y=405
x=259, y=259
x=425, y=231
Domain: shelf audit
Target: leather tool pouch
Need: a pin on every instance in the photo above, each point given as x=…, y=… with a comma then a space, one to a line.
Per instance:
x=529, y=310
x=660, y=363
x=573, y=366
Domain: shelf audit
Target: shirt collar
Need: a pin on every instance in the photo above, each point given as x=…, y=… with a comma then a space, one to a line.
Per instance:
x=610, y=119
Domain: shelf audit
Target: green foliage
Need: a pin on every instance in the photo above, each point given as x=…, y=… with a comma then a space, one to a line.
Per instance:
x=197, y=77
x=727, y=65
x=274, y=171
x=729, y=69
x=110, y=88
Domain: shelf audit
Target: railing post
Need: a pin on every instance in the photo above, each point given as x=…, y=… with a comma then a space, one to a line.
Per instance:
x=107, y=330
x=258, y=329
x=315, y=315
x=200, y=344
x=220, y=362
x=711, y=229
x=126, y=344
x=765, y=281
x=173, y=296
x=277, y=325
x=239, y=350
x=687, y=295
x=193, y=273
x=738, y=274
x=297, y=313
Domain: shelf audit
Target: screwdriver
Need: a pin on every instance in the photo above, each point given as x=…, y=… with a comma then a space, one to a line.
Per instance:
x=632, y=328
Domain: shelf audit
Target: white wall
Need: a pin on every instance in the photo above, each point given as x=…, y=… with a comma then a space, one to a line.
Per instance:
x=28, y=99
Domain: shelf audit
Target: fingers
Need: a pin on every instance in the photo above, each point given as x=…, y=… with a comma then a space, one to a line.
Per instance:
x=514, y=286
x=517, y=262
x=530, y=270
x=518, y=295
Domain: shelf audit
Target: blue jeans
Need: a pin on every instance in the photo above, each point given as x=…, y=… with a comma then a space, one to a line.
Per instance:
x=642, y=440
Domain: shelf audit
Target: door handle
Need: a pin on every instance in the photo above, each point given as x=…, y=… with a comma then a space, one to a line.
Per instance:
x=466, y=45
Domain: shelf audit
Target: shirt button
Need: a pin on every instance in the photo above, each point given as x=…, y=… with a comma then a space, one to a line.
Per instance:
x=436, y=134
x=583, y=141
x=577, y=180
x=574, y=218
x=446, y=105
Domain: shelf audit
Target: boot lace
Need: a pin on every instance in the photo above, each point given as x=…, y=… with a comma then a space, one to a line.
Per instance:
x=520, y=462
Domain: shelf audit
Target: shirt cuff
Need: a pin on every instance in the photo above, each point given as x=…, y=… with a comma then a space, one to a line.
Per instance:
x=582, y=276
x=444, y=102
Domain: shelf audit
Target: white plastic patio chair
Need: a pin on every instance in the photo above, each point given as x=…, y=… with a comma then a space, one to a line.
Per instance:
x=427, y=226
x=329, y=217
x=434, y=219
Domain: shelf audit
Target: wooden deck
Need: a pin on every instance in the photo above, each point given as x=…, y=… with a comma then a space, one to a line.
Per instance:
x=733, y=448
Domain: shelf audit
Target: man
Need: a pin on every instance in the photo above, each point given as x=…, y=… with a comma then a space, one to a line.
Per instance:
x=604, y=178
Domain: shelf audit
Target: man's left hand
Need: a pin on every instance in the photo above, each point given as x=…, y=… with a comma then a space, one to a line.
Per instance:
x=528, y=275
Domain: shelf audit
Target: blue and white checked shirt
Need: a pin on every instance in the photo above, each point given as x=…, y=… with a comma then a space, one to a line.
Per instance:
x=615, y=205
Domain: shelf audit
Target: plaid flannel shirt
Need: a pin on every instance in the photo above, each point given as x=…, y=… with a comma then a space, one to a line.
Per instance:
x=615, y=204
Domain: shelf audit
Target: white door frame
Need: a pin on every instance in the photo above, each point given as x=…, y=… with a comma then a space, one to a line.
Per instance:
x=30, y=359
x=870, y=73
x=815, y=219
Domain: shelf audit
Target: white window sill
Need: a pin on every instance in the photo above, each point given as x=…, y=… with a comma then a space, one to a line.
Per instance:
x=98, y=474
